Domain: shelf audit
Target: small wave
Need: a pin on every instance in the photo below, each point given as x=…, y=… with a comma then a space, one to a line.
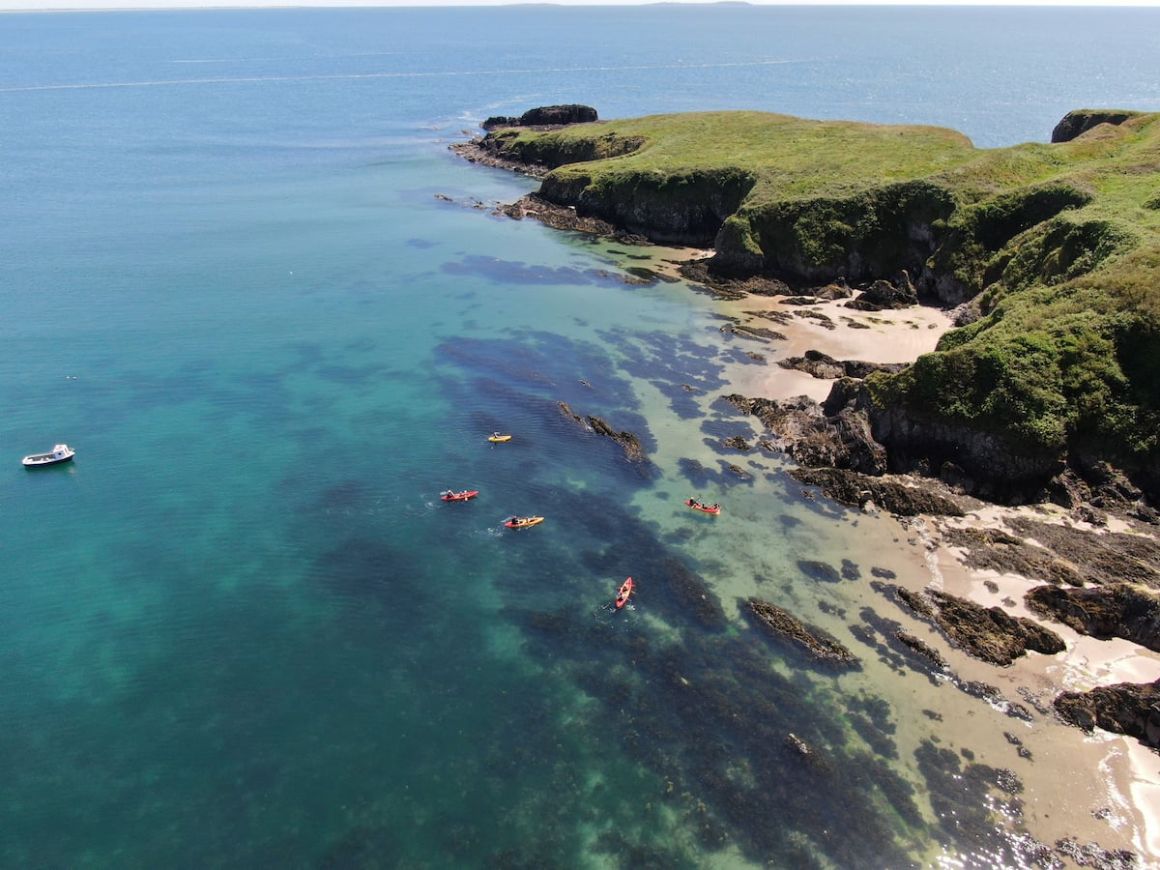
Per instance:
x=225, y=80
x=196, y=60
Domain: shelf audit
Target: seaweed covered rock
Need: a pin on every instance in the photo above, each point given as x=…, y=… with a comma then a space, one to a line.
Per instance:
x=825, y=367
x=897, y=495
x=1117, y=610
x=784, y=626
x=989, y=633
x=1126, y=708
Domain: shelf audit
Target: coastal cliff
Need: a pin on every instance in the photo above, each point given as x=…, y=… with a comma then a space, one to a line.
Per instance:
x=1052, y=250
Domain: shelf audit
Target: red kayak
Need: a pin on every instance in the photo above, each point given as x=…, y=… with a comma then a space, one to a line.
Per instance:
x=625, y=591
x=713, y=509
x=451, y=495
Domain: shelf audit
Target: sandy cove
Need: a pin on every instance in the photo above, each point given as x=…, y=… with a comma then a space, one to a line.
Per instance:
x=1130, y=770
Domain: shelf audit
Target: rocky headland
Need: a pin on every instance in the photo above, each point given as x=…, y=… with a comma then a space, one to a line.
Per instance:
x=1027, y=444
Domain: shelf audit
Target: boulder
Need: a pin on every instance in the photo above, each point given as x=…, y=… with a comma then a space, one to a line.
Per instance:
x=882, y=295
x=1126, y=708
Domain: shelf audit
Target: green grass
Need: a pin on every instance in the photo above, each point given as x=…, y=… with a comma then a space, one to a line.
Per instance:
x=1060, y=243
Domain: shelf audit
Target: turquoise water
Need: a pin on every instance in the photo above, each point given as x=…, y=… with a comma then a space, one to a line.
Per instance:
x=241, y=630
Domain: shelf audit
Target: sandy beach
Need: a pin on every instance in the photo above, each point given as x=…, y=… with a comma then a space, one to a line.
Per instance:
x=1100, y=788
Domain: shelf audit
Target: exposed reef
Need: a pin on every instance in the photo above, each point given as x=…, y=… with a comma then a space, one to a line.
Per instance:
x=989, y=633
x=1125, y=709
x=825, y=367
x=1118, y=610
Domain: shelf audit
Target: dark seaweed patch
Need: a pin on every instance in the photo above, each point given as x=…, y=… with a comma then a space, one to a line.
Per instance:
x=507, y=272
x=821, y=571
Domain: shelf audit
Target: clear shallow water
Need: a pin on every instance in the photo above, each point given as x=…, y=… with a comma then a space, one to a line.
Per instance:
x=242, y=630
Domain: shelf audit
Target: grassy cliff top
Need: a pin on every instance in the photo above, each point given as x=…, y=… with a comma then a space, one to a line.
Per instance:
x=794, y=157
x=788, y=156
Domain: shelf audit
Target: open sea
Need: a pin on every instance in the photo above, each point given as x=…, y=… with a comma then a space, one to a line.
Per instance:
x=241, y=629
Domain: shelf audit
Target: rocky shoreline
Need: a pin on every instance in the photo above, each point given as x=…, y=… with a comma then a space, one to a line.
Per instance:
x=1076, y=532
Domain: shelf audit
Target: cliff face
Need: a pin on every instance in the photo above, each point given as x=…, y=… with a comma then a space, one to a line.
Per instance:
x=1078, y=122
x=873, y=234
x=686, y=209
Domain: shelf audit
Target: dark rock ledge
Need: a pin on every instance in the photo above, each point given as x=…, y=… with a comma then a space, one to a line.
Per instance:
x=544, y=117
x=628, y=442
x=989, y=633
x=1126, y=708
x=783, y=625
x=825, y=367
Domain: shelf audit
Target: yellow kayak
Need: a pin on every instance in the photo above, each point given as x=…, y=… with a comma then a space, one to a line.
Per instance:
x=496, y=438
x=522, y=522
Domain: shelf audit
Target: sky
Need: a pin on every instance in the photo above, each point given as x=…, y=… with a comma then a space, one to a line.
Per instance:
x=57, y=5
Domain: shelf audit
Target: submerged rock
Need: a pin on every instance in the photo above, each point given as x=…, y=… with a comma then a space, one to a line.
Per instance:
x=783, y=625
x=630, y=443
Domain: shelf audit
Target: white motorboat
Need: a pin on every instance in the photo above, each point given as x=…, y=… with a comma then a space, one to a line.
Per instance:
x=60, y=453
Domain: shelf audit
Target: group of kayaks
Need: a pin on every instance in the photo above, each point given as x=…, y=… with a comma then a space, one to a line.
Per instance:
x=516, y=522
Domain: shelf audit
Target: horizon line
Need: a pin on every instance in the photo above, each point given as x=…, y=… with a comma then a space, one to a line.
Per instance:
x=226, y=5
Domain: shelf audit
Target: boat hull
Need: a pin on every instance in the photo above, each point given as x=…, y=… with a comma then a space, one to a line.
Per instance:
x=626, y=590
x=44, y=461
x=705, y=510
x=526, y=524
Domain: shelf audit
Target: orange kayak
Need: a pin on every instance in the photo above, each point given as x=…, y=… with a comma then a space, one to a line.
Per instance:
x=713, y=509
x=626, y=589
x=451, y=495
x=523, y=522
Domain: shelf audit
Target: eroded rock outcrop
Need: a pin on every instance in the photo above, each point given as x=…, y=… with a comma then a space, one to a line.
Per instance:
x=1126, y=708
x=897, y=495
x=1118, y=610
x=825, y=367
x=990, y=633
x=784, y=626
x=815, y=438
x=1078, y=122
x=544, y=116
